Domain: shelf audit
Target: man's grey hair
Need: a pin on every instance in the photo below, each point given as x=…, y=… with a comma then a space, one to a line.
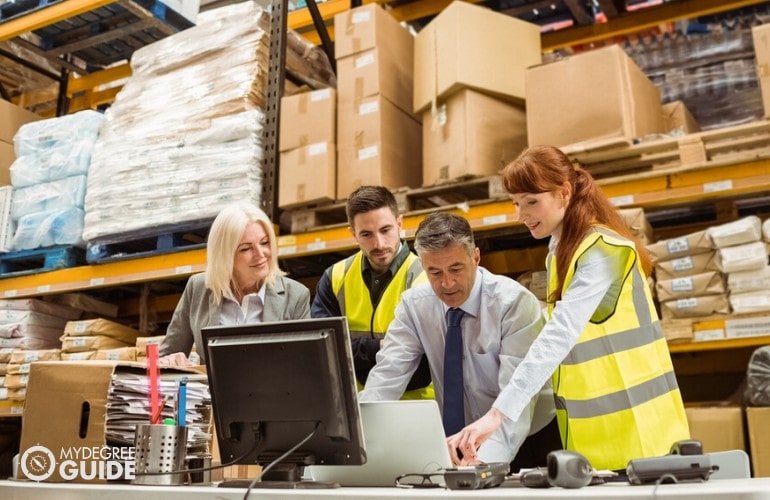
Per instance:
x=441, y=230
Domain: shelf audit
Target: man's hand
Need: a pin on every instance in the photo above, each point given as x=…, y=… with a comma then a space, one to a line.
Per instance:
x=463, y=445
x=176, y=359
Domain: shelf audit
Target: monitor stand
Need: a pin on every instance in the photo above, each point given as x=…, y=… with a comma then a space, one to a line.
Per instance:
x=281, y=476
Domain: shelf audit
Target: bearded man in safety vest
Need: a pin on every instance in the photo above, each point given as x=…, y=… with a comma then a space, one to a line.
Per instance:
x=366, y=287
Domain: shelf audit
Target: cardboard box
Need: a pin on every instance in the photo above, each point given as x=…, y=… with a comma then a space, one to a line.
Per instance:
x=308, y=175
x=758, y=420
x=78, y=392
x=719, y=428
x=761, y=35
x=593, y=99
x=379, y=144
x=65, y=408
x=365, y=27
x=308, y=118
x=471, y=134
x=11, y=118
x=676, y=117
x=467, y=46
x=7, y=157
x=377, y=71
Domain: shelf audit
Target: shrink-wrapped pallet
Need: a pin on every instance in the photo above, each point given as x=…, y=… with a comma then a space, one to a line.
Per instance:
x=184, y=135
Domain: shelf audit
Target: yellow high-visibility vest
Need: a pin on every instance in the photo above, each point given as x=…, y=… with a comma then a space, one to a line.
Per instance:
x=616, y=394
x=356, y=303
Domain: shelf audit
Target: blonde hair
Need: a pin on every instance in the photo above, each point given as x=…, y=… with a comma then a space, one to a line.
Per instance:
x=225, y=235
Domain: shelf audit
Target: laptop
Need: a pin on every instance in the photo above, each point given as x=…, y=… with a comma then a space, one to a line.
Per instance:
x=401, y=437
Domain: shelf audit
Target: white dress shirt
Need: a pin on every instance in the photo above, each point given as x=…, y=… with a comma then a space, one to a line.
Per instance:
x=249, y=310
x=501, y=321
x=599, y=270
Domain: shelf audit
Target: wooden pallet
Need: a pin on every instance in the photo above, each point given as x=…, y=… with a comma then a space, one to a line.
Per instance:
x=149, y=241
x=740, y=143
x=39, y=260
x=455, y=192
x=410, y=201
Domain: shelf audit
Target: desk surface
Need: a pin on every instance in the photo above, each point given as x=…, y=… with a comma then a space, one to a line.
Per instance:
x=726, y=489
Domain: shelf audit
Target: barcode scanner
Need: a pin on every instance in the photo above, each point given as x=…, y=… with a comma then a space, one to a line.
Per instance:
x=564, y=468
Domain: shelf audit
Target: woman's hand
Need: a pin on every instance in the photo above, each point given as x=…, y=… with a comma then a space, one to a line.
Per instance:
x=463, y=445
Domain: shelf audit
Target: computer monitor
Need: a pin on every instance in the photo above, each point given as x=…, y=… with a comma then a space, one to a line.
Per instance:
x=272, y=384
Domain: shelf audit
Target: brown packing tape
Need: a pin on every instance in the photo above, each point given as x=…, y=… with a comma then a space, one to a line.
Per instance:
x=358, y=89
x=356, y=42
x=434, y=42
x=303, y=140
x=302, y=156
x=349, y=25
x=301, y=192
x=302, y=103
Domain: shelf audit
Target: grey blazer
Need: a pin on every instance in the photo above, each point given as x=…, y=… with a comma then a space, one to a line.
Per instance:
x=287, y=299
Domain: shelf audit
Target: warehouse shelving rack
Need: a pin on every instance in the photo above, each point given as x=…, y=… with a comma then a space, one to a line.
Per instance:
x=489, y=217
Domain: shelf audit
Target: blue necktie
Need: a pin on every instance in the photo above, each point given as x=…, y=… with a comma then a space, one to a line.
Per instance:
x=454, y=407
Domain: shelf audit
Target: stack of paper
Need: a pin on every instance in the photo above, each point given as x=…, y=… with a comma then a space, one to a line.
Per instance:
x=129, y=404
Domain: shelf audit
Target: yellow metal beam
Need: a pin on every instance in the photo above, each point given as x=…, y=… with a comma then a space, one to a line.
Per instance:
x=47, y=16
x=91, y=100
x=483, y=216
x=720, y=344
x=640, y=20
x=421, y=8
x=77, y=83
x=301, y=18
x=98, y=276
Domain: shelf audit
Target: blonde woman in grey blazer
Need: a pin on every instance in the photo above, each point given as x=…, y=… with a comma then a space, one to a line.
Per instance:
x=242, y=283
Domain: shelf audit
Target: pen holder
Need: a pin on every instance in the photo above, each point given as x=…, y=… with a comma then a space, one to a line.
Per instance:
x=160, y=448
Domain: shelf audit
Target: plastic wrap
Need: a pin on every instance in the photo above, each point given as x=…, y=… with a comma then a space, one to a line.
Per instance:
x=63, y=159
x=184, y=135
x=131, y=187
x=50, y=228
x=758, y=377
x=48, y=196
x=746, y=257
x=738, y=232
x=750, y=302
x=39, y=137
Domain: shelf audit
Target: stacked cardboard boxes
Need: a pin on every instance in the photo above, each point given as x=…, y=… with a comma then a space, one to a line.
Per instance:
x=593, y=99
x=308, y=145
x=378, y=136
x=469, y=69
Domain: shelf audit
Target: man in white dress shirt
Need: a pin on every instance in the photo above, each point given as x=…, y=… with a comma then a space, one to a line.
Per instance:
x=501, y=320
